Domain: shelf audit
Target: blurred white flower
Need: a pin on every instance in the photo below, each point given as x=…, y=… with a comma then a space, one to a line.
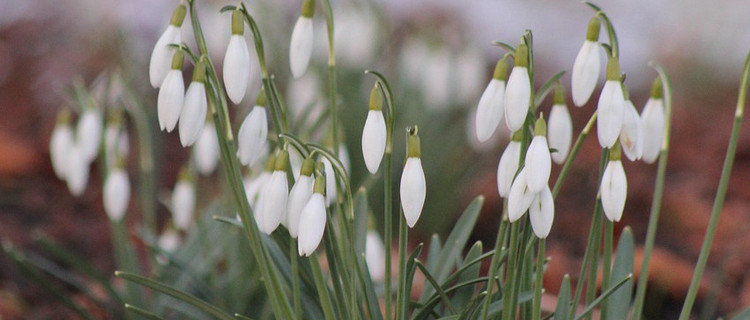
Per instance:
x=614, y=190
x=631, y=136
x=518, y=91
x=77, y=172
x=171, y=95
x=60, y=144
x=560, y=132
x=183, y=202
x=206, y=150
x=508, y=166
x=116, y=143
x=653, y=121
x=89, y=133
x=193, y=114
x=237, y=67
x=610, y=107
x=301, y=44
x=116, y=194
x=161, y=56
x=542, y=213
x=253, y=134
x=375, y=256
x=491, y=105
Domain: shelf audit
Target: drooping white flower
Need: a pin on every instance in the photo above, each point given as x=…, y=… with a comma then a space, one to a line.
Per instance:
x=330, y=181
x=374, y=132
x=538, y=161
x=171, y=95
x=614, y=190
x=298, y=196
x=77, y=172
x=254, y=186
x=559, y=128
x=520, y=197
x=161, y=56
x=253, y=134
x=631, y=136
x=274, y=197
x=542, y=213
x=183, y=202
x=413, y=185
x=375, y=256
x=116, y=194
x=587, y=65
x=610, y=108
x=518, y=91
x=653, y=121
x=206, y=150
x=508, y=166
x=491, y=105
x=89, y=133
x=301, y=44
x=60, y=143
x=193, y=114
x=237, y=66
x=312, y=224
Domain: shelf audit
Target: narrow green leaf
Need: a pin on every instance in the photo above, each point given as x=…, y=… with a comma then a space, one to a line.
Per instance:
x=241, y=317
x=546, y=88
x=360, y=220
x=602, y=297
x=227, y=8
x=435, y=285
x=433, y=252
x=619, y=303
x=143, y=313
x=505, y=46
x=463, y=296
x=563, y=299
x=743, y=315
x=426, y=309
x=470, y=312
x=497, y=307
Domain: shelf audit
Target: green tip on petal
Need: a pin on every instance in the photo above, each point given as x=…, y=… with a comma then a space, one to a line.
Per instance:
x=238, y=25
x=522, y=55
x=282, y=161
x=178, y=16
x=177, y=59
x=308, y=166
x=308, y=8
x=63, y=116
x=320, y=183
x=559, y=94
x=185, y=174
x=199, y=73
x=413, y=144
x=625, y=92
x=501, y=70
x=270, y=163
x=657, y=92
x=376, y=98
x=517, y=136
x=261, y=99
x=613, y=69
x=615, y=153
x=592, y=33
x=540, y=127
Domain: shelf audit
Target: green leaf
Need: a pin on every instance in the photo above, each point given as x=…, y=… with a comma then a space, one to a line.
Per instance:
x=360, y=220
x=563, y=299
x=143, y=313
x=463, y=296
x=227, y=8
x=241, y=317
x=743, y=315
x=366, y=283
x=619, y=303
x=505, y=46
x=602, y=297
x=431, y=280
x=433, y=252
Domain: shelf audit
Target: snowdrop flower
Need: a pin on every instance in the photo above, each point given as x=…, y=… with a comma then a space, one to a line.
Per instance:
x=374, y=256
x=171, y=95
x=116, y=193
x=542, y=213
x=301, y=45
x=77, y=172
x=168, y=241
x=614, y=188
x=274, y=198
x=60, y=143
x=653, y=119
x=89, y=133
x=183, y=201
x=508, y=166
x=254, y=187
x=237, y=66
x=520, y=197
x=330, y=181
x=253, y=133
x=312, y=221
x=491, y=105
x=374, y=132
x=298, y=197
x=206, y=150
x=162, y=53
x=193, y=114
x=560, y=127
x=518, y=91
x=631, y=136
x=587, y=65
x=610, y=107
x=538, y=160
x=413, y=185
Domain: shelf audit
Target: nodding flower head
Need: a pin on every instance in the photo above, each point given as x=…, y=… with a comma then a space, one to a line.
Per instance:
x=301, y=44
x=413, y=185
x=508, y=166
x=116, y=193
x=587, y=65
x=560, y=127
x=172, y=95
x=89, y=133
x=538, y=160
x=206, y=151
x=299, y=196
x=631, y=136
x=653, y=123
x=60, y=143
x=518, y=91
x=253, y=133
x=491, y=105
x=611, y=105
x=193, y=114
x=312, y=221
x=520, y=197
x=161, y=56
x=237, y=66
x=614, y=187
x=542, y=213
x=374, y=132
x=274, y=198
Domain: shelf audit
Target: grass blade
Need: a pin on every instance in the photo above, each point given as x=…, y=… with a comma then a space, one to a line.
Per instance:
x=619, y=303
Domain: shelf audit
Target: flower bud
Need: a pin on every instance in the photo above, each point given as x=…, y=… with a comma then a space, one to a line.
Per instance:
x=491, y=105
x=518, y=91
x=653, y=121
x=413, y=185
x=301, y=44
x=60, y=143
x=206, y=150
x=614, y=190
x=508, y=166
x=274, y=198
x=560, y=127
x=631, y=136
x=253, y=134
x=374, y=256
x=193, y=114
x=116, y=194
x=520, y=197
x=237, y=66
x=299, y=196
x=610, y=107
x=374, y=132
x=89, y=133
x=172, y=95
x=538, y=160
x=587, y=65
x=312, y=224
x=162, y=53
x=77, y=173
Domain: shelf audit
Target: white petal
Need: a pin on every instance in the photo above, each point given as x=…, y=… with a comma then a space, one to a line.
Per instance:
x=312, y=224
x=295, y=162
x=77, y=173
x=653, y=129
x=116, y=194
x=60, y=143
x=559, y=132
x=253, y=188
x=413, y=190
x=206, y=150
x=169, y=240
x=614, y=190
x=490, y=109
x=301, y=45
x=520, y=197
x=170, y=100
x=183, y=204
x=507, y=168
x=193, y=114
x=330, y=182
x=631, y=136
x=375, y=256
x=298, y=197
x=538, y=163
x=586, y=69
x=252, y=136
x=236, y=68
x=542, y=213
x=161, y=56
x=609, y=113
x=90, y=133
x=517, y=95
x=373, y=140
x=274, y=202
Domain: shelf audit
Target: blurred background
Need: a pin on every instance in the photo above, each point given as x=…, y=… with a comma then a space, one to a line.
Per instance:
x=438, y=57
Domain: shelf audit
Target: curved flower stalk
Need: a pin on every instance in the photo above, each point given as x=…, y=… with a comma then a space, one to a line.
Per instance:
x=237, y=67
x=538, y=160
x=542, y=213
x=193, y=114
x=374, y=132
x=520, y=196
x=274, y=198
x=508, y=166
x=491, y=105
x=183, y=200
x=77, y=172
x=60, y=144
x=89, y=133
x=312, y=221
x=162, y=53
x=206, y=150
x=631, y=136
x=560, y=127
x=116, y=193
x=518, y=91
x=610, y=107
x=614, y=188
x=301, y=44
x=253, y=134
x=299, y=196
x=413, y=185
x=652, y=118
x=587, y=65
x=374, y=256
x=172, y=95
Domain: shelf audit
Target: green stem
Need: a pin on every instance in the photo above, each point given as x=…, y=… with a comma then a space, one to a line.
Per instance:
x=332, y=77
x=572, y=156
x=402, y=297
x=539, y=280
x=606, y=262
x=595, y=221
x=125, y=259
x=293, y=256
x=510, y=278
x=593, y=265
x=492, y=273
x=721, y=192
x=653, y=220
x=323, y=294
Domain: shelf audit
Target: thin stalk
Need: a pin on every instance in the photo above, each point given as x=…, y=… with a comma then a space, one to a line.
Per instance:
x=332, y=77
x=606, y=262
x=510, y=277
x=595, y=221
x=593, y=263
x=653, y=220
x=125, y=258
x=295, y=278
x=492, y=273
x=721, y=192
x=402, y=297
x=572, y=156
x=539, y=279
x=323, y=294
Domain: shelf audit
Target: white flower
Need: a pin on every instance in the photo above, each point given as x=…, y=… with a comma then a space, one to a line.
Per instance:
x=171, y=99
x=507, y=168
x=585, y=74
x=373, y=140
x=652, y=118
x=237, y=68
x=252, y=136
x=298, y=197
x=542, y=213
x=273, y=202
x=89, y=133
x=330, y=181
x=161, y=56
x=193, y=114
x=60, y=144
x=183, y=204
x=560, y=132
x=375, y=256
x=413, y=190
x=609, y=113
x=116, y=194
x=520, y=197
x=77, y=172
x=614, y=190
x=301, y=45
x=631, y=136
x=254, y=187
x=206, y=150
x=517, y=95
x=169, y=240
x=312, y=224
x=490, y=109
x=538, y=164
